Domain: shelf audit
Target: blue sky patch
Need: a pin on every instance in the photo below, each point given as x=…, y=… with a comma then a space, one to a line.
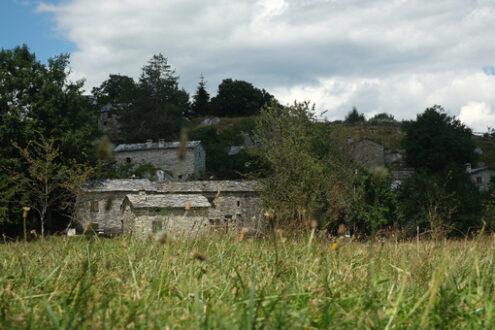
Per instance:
x=21, y=24
x=489, y=70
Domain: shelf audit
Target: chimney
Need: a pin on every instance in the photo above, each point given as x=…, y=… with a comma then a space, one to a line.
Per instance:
x=468, y=167
x=149, y=143
x=161, y=143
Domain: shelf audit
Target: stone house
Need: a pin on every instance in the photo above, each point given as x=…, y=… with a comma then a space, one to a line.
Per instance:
x=482, y=176
x=220, y=204
x=181, y=214
x=233, y=203
x=165, y=156
x=368, y=153
x=101, y=203
x=108, y=119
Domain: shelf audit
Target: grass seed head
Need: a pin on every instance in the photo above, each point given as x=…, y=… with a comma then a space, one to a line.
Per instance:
x=197, y=255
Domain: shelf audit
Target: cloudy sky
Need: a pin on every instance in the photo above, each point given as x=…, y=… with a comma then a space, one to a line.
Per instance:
x=393, y=56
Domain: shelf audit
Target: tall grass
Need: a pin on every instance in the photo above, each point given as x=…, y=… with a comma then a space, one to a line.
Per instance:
x=219, y=282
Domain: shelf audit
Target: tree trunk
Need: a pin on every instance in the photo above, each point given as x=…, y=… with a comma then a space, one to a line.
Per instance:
x=42, y=220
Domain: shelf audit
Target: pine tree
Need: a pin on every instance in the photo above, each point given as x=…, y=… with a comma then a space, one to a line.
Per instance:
x=201, y=100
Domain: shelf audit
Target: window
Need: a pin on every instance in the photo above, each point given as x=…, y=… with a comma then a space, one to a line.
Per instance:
x=238, y=203
x=156, y=226
x=212, y=201
x=109, y=115
x=104, y=123
x=180, y=177
x=128, y=160
x=108, y=204
x=479, y=179
x=95, y=207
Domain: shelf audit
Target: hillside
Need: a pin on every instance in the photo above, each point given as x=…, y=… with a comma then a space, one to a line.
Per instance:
x=390, y=134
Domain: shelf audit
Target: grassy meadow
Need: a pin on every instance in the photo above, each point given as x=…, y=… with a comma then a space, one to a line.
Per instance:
x=223, y=283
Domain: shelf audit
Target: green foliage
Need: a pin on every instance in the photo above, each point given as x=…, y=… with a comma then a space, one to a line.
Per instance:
x=354, y=116
x=158, y=110
x=446, y=201
x=238, y=98
x=382, y=116
x=435, y=140
x=46, y=183
x=306, y=178
x=40, y=99
x=7, y=194
x=440, y=195
x=375, y=204
x=117, y=89
x=201, y=99
x=221, y=165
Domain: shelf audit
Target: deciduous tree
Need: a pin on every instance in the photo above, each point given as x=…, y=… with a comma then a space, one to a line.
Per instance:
x=45, y=182
x=238, y=98
x=305, y=180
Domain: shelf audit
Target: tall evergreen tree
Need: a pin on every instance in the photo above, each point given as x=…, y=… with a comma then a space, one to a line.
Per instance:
x=159, y=107
x=201, y=99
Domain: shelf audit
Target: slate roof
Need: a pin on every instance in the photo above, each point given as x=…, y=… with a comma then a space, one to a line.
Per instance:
x=209, y=186
x=111, y=107
x=481, y=169
x=154, y=145
x=167, y=201
x=130, y=185
x=188, y=187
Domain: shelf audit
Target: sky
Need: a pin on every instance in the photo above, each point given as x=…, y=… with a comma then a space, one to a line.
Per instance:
x=394, y=56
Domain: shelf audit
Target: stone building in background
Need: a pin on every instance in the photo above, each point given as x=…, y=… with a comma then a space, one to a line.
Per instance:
x=182, y=214
x=108, y=120
x=482, y=176
x=167, y=156
x=367, y=153
x=140, y=207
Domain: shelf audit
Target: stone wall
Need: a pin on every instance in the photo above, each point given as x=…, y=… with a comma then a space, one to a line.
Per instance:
x=199, y=160
x=234, y=203
x=368, y=153
x=142, y=223
x=238, y=209
x=167, y=160
x=483, y=178
x=103, y=209
x=108, y=122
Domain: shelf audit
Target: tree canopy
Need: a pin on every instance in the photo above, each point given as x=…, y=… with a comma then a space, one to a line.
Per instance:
x=440, y=195
x=35, y=98
x=435, y=140
x=354, y=116
x=38, y=99
x=117, y=89
x=238, y=98
x=158, y=108
x=201, y=99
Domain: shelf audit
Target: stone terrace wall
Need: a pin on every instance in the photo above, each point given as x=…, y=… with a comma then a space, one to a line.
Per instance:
x=165, y=159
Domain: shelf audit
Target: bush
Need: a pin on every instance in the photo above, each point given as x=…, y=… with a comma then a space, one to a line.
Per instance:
x=307, y=180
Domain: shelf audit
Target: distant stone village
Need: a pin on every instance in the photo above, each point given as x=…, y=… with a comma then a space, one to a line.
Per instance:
x=175, y=201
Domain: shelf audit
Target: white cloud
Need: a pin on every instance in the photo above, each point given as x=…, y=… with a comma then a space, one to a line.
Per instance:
x=391, y=56
x=478, y=115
